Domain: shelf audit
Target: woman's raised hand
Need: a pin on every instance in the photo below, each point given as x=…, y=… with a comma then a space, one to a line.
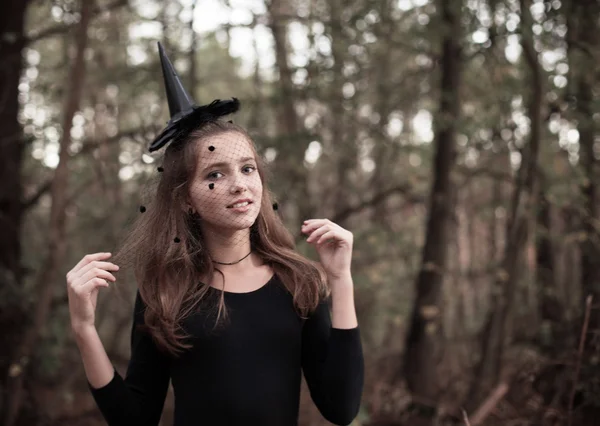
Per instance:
x=83, y=282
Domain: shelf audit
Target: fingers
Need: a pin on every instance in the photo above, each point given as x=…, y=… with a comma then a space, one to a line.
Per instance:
x=107, y=266
x=326, y=236
x=317, y=233
x=312, y=224
x=95, y=273
x=89, y=258
x=322, y=230
x=87, y=264
x=93, y=278
x=90, y=285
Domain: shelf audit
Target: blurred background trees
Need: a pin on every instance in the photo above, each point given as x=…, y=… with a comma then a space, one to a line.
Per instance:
x=458, y=140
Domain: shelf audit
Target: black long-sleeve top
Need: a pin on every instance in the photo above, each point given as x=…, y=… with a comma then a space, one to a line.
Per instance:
x=246, y=372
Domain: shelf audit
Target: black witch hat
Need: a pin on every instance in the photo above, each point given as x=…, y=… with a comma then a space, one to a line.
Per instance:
x=186, y=115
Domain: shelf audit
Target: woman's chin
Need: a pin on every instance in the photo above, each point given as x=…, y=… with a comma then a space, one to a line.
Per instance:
x=234, y=225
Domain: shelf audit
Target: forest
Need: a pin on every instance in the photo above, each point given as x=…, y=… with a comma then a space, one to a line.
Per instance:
x=457, y=140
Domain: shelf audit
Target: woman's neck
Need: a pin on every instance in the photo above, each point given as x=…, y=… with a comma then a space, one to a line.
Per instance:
x=228, y=248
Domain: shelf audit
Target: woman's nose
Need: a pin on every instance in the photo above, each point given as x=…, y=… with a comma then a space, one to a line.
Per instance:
x=238, y=184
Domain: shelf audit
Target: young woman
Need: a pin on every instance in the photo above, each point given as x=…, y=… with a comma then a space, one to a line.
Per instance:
x=226, y=309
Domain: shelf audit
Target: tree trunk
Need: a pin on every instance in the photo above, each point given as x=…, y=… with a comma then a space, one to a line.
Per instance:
x=192, y=54
x=423, y=340
x=57, y=243
x=12, y=17
x=497, y=331
x=291, y=146
x=383, y=151
x=256, y=118
x=12, y=37
x=105, y=183
x=288, y=116
x=163, y=19
x=582, y=41
x=550, y=306
x=340, y=127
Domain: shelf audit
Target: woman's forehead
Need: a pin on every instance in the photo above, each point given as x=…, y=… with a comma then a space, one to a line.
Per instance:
x=225, y=147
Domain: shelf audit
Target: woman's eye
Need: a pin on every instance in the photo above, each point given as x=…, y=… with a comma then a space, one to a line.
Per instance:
x=217, y=175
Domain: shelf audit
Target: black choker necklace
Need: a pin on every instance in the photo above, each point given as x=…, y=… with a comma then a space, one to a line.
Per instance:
x=232, y=263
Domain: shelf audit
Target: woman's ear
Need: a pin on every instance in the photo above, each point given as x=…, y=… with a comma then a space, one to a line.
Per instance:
x=187, y=207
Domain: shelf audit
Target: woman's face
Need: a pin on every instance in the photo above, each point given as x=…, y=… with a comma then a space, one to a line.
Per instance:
x=227, y=189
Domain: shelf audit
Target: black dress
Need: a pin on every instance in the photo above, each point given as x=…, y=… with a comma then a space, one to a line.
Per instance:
x=247, y=372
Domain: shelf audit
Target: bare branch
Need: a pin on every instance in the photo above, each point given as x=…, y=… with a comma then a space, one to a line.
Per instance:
x=87, y=147
x=378, y=198
x=42, y=189
x=588, y=307
x=61, y=29
x=486, y=408
x=466, y=418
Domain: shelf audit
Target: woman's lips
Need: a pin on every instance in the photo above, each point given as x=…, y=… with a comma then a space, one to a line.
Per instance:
x=241, y=209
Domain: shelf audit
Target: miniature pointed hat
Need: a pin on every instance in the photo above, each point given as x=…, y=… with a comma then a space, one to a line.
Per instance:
x=180, y=101
x=186, y=115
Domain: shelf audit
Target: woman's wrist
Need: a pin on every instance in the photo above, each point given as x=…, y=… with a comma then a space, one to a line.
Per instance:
x=342, y=297
x=83, y=331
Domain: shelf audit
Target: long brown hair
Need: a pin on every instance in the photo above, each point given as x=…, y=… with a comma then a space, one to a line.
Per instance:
x=169, y=274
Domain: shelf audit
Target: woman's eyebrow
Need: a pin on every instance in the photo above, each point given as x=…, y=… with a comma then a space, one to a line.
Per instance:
x=225, y=164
